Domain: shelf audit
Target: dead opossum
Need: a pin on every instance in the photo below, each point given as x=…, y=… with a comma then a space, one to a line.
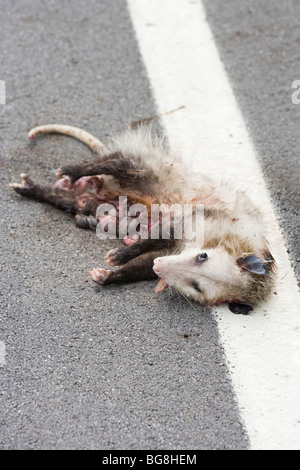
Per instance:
x=232, y=264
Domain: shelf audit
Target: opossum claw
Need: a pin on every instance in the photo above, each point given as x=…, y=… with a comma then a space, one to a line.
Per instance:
x=118, y=256
x=99, y=275
x=112, y=257
x=130, y=240
x=70, y=171
x=59, y=175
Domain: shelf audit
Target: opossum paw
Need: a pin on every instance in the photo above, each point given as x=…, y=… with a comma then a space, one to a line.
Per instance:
x=99, y=275
x=70, y=171
x=119, y=256
x=26, y=185
x=63, y=183
x=114, y=257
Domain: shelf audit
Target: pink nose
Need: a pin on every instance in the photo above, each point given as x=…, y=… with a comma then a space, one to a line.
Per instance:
x=155, y=265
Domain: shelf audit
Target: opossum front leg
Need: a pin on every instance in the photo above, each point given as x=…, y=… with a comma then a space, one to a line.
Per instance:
x=135, y=270
x=121, y=255
x=125, y=170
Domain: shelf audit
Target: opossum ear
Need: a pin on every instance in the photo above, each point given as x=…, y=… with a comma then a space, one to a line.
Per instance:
x=239, y=309
x=253, y=264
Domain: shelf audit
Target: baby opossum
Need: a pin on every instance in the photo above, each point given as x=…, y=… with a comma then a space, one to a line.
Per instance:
x=232, y=264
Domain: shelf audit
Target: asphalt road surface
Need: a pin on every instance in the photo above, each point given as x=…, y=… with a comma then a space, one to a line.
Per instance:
x=119, y=368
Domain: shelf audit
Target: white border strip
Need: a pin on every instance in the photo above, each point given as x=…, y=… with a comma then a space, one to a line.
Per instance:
x=263, y=349
x=2, y=353
x=2, y=92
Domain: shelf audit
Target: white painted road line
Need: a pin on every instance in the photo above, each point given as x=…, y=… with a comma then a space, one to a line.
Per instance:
x=2, y=353
x=263, y=350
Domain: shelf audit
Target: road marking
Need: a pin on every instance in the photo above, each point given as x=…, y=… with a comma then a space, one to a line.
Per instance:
x=263, y=350
x=2, y=92
x=2, y=353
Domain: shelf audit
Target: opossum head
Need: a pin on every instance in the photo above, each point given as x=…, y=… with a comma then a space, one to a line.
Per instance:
x=213, y=276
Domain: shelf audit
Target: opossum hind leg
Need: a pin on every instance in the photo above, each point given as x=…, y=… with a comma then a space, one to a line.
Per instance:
x=57, y=197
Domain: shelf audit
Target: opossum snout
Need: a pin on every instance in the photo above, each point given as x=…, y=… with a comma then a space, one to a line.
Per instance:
x=166, y=265
x=156, y=265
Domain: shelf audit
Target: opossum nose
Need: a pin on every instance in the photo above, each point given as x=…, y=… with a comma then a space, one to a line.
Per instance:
x=155, y=267
x=157, y=261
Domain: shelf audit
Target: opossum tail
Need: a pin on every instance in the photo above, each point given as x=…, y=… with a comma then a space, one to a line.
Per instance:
x=92, y=142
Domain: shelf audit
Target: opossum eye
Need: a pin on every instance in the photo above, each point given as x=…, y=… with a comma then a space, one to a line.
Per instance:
x=200, y=258
x=195, y=285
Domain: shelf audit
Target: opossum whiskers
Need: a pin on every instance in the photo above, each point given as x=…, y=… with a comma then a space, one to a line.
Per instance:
x=186, y=298
x=184, y=246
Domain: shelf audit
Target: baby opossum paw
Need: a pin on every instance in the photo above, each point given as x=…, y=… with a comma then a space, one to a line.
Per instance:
x=130, y=240
x=63, y=183
x=25, y=187
x=86, y=221
x=99, y=275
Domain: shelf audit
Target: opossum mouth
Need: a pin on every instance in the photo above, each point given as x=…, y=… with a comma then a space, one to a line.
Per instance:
x=162, y=285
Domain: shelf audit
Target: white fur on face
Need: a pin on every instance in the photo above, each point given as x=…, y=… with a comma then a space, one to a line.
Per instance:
x=210, y=281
